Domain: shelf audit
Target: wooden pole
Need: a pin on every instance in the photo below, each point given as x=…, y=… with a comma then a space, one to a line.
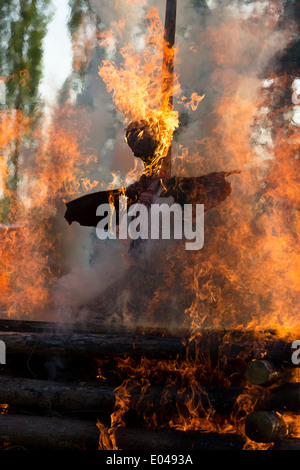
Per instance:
x=168, y=72
x=168, y=57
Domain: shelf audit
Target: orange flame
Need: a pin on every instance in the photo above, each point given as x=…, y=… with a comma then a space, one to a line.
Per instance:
x=142, y=85
x=247, y=275
x=53, y=171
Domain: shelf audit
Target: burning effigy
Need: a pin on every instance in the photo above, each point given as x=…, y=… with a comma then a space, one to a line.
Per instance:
x=149, y=135
x=178, y=119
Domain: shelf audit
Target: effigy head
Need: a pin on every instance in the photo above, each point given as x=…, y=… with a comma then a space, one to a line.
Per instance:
x=142, y=138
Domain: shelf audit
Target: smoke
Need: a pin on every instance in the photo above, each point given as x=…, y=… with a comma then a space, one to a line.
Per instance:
x=223, y=53
x=224, y=48
x=91, y=268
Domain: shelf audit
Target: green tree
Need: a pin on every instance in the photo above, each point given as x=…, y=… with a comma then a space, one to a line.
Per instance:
x=23, y=26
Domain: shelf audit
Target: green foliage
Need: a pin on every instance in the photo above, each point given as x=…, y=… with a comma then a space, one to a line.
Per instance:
x=23, y=26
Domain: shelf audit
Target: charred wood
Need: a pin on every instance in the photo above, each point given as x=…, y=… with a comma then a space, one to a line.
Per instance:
x=95, y=327
x=265, y=426
x=168, y=58
x=261, y=372
x=288, y=444
x=147, y=439
x=48, y=433
x=91, y=345
x=56, y=433
x=286, y=397
x=233, y=345
x=55, y=396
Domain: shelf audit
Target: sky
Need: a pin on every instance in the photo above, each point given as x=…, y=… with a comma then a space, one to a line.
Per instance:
x=57, y=62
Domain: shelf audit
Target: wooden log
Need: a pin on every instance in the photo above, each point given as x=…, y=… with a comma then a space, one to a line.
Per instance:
x=288, y=444
x=286, y=397
x=91, y=345
x=241, y=346
x=33, y=326
x=260, y=372
x=168, y=440
x=55, y=433
x=51, y=396
x=94, y=326
x=48, y=433
x=112, y=345
x=265, y=426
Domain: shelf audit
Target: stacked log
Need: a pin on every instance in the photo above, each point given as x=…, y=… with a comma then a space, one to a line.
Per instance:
x=212, y=343
x=265, y=426
x=57, y=433
x=61, y=410
x=262, y=372
x=267, y=423
x=71, y=397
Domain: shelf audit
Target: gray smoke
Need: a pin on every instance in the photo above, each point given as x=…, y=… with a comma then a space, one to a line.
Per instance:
x=224, y=47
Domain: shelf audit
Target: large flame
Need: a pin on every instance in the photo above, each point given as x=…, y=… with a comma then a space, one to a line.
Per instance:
x=247, y=275
x=51, y=170
x=144, y=84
